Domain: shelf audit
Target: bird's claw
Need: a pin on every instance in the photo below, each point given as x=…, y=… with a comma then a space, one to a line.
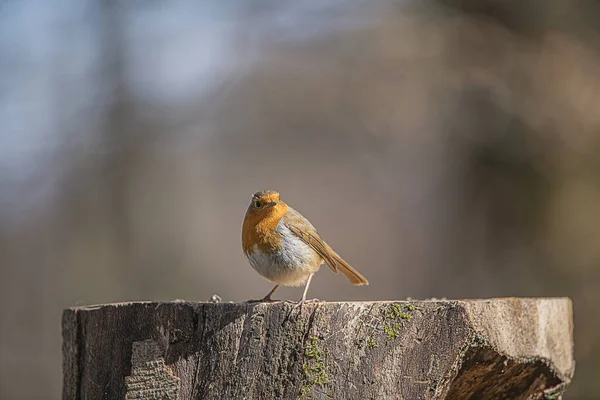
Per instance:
x=300, y=303
x=298, y=306
x=266, y=299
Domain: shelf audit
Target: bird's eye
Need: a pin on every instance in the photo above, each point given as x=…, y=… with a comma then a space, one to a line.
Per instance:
x=257, y=204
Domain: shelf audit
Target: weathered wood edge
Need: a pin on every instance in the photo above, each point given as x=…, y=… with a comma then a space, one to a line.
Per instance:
x=71, y=363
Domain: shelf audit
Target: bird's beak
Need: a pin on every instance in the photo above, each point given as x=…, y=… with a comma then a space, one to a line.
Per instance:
x=271, y=204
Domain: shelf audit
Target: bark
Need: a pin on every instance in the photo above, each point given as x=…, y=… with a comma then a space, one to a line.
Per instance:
x=512, y=348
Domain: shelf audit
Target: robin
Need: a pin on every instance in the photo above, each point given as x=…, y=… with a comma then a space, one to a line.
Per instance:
x=285, y=248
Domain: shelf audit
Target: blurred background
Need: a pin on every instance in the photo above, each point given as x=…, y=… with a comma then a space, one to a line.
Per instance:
x=446, y=148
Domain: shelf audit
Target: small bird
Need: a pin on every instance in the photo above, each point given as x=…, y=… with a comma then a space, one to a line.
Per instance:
x=285, y=248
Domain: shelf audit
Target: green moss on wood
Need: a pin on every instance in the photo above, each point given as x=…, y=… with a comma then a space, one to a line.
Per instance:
x=395, y=315
x=315, y=367
x=372, y=341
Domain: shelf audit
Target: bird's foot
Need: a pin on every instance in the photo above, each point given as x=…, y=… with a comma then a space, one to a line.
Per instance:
x=266, y=299
x=298, y=305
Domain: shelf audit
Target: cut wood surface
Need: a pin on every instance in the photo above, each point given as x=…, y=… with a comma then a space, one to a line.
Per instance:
x=511, y=348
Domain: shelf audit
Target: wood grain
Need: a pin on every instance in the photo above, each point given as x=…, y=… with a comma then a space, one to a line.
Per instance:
x=473, y=349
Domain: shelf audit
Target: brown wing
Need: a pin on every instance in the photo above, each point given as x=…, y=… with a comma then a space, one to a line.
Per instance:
x=302, y=228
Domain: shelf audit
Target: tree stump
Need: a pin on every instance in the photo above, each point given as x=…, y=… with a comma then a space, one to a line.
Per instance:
x=513, y=348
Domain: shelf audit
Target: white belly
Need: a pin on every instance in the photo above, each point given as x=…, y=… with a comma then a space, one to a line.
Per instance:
x=288, y=266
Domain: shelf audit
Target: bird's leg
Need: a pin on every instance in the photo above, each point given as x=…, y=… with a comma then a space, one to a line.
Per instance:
x=306, y=288
x=303, y=299
x=267, y=298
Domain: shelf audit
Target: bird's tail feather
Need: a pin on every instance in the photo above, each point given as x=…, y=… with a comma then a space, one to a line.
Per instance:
x=353, y=275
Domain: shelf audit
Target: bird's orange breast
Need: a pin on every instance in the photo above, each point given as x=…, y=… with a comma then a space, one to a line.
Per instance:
x=259, y=229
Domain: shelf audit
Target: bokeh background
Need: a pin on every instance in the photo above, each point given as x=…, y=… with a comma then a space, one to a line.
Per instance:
x=446, y=148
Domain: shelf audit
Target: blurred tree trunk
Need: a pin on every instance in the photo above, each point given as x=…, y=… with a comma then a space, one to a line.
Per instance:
x=117, y=137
